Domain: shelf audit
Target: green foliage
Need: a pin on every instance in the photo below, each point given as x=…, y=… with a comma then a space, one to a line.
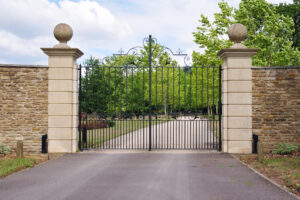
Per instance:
x=4, y=149
x=8, y=166
x=285, y=148
x=292, y=10
x=211, y=36
x=121, y=86
x=111, y=123
x=267, y=30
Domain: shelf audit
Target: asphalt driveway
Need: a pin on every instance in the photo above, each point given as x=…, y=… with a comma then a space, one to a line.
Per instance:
x=140, y=176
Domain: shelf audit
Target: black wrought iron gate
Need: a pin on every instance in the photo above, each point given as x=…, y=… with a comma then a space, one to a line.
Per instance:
x=144, y=99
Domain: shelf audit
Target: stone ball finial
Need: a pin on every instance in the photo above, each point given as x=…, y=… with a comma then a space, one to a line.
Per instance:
x=237, y=33
x=63, y=33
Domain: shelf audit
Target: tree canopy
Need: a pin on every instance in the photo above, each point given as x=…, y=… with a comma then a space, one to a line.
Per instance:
x=267, y=30
x=292, y=10
x=120, y=86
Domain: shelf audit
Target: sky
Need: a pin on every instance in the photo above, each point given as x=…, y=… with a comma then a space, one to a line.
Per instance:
x=100, y=27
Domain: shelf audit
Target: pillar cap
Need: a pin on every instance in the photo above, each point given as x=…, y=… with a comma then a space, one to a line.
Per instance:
x=63, y=33
x=237, y=33
x=74, y=52
x=233, y=52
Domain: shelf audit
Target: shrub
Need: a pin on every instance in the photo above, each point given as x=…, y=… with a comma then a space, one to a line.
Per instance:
x=94, y=124
x=285, y=148
x=4, y=149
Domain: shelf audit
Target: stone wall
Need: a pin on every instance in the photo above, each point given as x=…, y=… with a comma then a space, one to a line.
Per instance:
x=23, y=105
x=276, y=105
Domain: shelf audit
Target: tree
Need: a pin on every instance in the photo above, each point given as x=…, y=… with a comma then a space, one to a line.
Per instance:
x=267, y=30
x=293, y=11
x=119, y=86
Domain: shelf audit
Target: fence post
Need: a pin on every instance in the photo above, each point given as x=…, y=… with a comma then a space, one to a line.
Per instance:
x=237, y=93
x=62, y=92
x=19, y=149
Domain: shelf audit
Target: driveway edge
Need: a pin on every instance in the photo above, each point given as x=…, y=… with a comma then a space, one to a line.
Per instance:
x=264, y=177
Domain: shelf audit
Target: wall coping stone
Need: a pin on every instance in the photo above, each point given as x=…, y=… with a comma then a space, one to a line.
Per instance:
x=237, y=52
x=279, y=67
x=75, y=52
x=23, y=66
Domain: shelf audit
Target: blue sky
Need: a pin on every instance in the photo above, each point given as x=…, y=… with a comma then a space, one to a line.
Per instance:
x=100, y=27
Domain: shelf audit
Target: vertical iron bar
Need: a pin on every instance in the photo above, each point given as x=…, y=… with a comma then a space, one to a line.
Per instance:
x=207, y=90
x=190, y=111
x=184, y=92
x=167, y=104
x=116, y=112
x=179, y=109
x=92, y=107
x=150, y=66
x=196, y=105
x=137, y=144
x=196, y=90
x=86, y=107
x=156, y=71
x=220, y=107
x=103, y=107
x=144, y=107
x=202, y=84
x=109, y=112
x=173, y=90
x=173, y=106
x=179, y=106
x=98, y=108
x=119, y=96
x=131, y=108
x=126, y=99
x=79, y=112
x=190, y=90
x=213, y=106
x=207, y=100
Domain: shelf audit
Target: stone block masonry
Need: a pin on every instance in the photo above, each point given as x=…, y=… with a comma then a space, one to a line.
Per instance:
x=237, y=93
x=276, y=105
x=62, y=93
x=23, y=106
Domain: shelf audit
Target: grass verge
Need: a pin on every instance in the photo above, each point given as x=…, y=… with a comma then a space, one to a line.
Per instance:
x=282, y=169
x=10, y=165
x=96, y=137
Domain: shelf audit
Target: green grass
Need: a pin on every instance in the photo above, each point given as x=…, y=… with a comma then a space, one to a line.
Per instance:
x=97, y=137
x=284, y=163
x=8, y=166
x=286, y=167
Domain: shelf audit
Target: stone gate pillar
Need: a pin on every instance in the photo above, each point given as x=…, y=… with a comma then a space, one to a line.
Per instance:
x=237, y=93
x=62, y=92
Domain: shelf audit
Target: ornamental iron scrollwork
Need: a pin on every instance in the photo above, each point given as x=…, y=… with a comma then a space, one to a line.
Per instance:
x=136, y=51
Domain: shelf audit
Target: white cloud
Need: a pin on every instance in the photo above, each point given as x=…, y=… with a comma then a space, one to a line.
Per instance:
x=27, y=25
x=100, y=26
x=13, y=43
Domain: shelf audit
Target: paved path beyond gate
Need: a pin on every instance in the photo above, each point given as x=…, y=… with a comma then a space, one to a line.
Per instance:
x=140, y=176
x=184, y=133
